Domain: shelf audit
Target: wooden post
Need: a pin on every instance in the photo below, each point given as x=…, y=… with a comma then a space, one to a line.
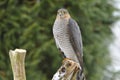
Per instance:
x=68, y=71
x=17, y=58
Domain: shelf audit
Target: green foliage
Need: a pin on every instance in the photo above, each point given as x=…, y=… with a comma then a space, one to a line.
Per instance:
x=28, y=24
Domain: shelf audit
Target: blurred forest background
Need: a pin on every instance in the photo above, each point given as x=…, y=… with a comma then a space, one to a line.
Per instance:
x=28, y=24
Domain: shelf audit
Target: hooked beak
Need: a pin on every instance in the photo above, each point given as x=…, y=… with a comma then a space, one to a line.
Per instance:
x=61, y=15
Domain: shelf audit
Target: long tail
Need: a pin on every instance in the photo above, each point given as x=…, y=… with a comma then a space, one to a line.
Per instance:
x=81, y=76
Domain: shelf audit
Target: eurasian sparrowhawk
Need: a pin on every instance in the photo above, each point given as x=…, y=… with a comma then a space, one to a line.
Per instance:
x=68, y=37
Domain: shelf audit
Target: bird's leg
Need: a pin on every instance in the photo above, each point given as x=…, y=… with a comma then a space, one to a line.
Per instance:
x=72, y=69
x=75, y=74
x=63, y=55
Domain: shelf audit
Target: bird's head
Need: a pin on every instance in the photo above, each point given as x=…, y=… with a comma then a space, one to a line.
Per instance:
x=63, y=14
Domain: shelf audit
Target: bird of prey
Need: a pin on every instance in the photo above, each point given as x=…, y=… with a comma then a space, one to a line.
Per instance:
x=68, y=38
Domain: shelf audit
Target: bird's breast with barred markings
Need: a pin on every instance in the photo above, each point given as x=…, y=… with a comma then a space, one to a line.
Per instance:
x=61, y=35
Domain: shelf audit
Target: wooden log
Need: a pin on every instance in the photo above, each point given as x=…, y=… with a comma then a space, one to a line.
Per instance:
x=68, y=71
x=17, y=58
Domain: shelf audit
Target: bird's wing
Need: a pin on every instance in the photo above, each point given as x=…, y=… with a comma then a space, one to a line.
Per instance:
x=76, y=39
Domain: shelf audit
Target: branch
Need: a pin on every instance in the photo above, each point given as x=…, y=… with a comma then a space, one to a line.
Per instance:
x=68, y=71
x=17, y=58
